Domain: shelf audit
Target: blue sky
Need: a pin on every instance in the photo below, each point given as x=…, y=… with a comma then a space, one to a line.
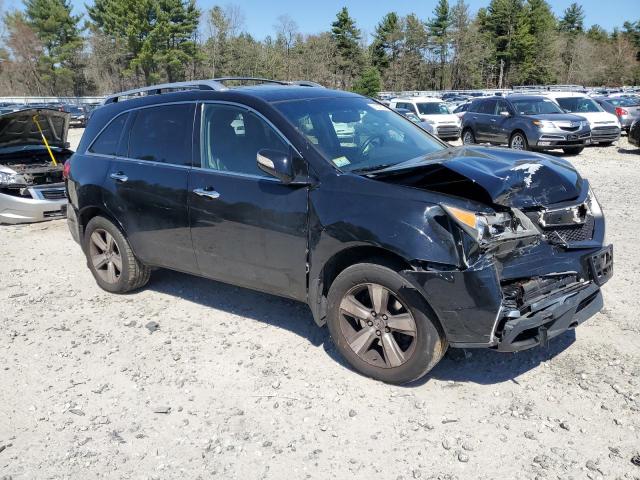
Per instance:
x=313, y=16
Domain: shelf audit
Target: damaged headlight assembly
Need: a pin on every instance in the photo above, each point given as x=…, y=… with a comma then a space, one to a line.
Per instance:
x=487, y=228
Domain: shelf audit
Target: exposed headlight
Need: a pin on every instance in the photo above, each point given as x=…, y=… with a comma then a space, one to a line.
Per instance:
x=544, y=124
x=489, y=227
x=8, y=178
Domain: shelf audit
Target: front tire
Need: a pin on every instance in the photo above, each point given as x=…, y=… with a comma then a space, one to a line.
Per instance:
x=518, y=141
x=382, y=326
x=573, y=150
x=468, y=138
x=110, y=258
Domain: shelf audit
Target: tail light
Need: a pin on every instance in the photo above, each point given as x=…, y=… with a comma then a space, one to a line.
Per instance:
x=621, y=111
x=66, y=169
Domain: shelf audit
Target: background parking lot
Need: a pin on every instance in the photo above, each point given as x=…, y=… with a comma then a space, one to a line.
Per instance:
x=191, y=378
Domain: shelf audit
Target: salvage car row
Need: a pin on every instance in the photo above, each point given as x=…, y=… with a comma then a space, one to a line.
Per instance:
x=553, y=120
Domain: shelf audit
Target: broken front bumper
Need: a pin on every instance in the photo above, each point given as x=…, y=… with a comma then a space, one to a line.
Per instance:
x=477, y=308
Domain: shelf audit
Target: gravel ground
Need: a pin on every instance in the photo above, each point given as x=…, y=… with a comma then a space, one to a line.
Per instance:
x=191, y=378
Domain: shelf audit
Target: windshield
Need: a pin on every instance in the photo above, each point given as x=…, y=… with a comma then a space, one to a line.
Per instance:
x=358, y=134
x=432, y=108
x=535, y=106
x=412, y=116
x=579, y=105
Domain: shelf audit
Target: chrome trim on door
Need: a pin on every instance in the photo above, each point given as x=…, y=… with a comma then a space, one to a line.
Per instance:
x=201, y=192
x=119, y=177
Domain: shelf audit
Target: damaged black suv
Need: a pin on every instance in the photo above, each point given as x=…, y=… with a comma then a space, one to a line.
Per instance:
x=400, y=243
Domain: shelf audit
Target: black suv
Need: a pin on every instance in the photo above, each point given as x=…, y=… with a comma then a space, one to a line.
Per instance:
x=402, y=244
x=524, y=122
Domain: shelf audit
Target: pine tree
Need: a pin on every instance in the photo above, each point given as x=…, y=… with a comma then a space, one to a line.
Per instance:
x=571, y=25
x=439, y=29
x=346, y=36
x=369, y=83
x=58, y=31
x=386, y=41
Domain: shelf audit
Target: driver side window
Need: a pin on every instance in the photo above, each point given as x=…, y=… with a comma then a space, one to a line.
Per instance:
x=231, y=137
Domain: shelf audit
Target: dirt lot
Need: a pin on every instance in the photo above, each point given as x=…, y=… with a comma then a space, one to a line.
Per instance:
x=240, y=385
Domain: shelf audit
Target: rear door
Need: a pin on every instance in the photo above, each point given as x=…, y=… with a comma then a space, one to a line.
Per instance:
x=483, y=117
x=501, y=124
x=147, y=184
x=248, y=228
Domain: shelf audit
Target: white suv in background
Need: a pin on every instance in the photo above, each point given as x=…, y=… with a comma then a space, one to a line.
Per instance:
x=605, y=127
x=433, y=111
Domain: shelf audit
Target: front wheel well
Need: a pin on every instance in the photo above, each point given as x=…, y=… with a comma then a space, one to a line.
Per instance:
x=319, y=287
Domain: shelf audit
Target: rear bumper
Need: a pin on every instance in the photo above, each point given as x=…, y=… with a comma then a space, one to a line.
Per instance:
x=16, y=210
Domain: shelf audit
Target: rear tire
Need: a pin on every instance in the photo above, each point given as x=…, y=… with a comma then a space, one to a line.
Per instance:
x=518, y=141
x=573, y=150
x=110, y=258
x=401, y=342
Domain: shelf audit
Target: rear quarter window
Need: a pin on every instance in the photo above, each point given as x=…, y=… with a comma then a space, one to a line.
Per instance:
x=108, y=140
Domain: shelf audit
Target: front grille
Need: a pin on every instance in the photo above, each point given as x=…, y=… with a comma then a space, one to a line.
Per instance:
x=605, y=133
x=572, y=233
x=448, y=131
x=570, y=129
x=53, y=194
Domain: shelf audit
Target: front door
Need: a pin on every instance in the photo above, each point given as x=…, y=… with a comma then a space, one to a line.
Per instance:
x=146, y=187
x=247, y=227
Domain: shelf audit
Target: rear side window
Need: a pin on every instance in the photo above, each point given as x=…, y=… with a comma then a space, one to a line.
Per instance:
x=475, y=106
x=487, y=107
x=163, y=134
x=107, y=142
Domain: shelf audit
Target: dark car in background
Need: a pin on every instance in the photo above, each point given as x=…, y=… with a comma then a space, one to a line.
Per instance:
x=627, y=109
x=78, y=115
x=400, y=243
x=634, y=133
x=524, y=122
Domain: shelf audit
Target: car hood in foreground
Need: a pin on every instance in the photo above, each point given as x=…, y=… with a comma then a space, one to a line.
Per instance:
x=18, y=129
x=496, y=176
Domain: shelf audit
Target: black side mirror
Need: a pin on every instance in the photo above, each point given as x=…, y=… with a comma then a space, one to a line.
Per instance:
x=276, y=163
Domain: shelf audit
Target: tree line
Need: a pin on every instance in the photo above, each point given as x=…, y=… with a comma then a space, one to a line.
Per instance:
x=121, y=44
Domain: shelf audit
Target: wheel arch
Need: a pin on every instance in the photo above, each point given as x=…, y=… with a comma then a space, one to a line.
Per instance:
x=319, y=286
x=87, y=213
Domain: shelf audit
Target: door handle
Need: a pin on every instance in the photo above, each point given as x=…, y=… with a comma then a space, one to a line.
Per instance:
x=207, y=193
x=493, y=120
x=119, y=177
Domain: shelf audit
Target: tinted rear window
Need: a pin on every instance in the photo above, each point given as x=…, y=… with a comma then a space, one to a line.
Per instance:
x=488, y=107
x=163, y=134
x=107, y=141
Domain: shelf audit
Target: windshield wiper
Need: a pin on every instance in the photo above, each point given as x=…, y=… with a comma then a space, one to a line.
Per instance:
x=372, y=168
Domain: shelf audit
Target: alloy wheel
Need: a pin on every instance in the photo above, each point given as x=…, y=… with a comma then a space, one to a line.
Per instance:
x=518, y=142
x=377, y=326
x=105, y=255
x=467, y=138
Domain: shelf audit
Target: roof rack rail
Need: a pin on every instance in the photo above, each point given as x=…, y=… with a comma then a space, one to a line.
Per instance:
x=215, y=84
x=157, y=89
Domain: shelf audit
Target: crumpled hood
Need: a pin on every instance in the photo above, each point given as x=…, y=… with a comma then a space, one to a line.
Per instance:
x=510, y=178
x=17, y=129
